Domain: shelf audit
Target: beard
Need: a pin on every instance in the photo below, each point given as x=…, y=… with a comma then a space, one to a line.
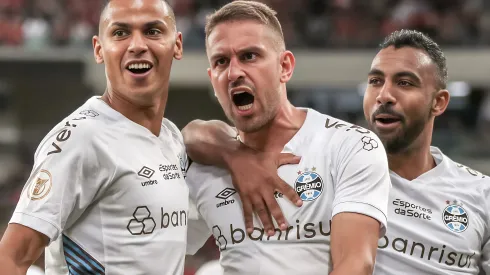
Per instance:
x=404, y=137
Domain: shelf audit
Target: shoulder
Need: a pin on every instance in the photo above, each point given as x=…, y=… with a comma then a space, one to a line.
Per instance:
x=344, y=137
x=79, y=132
x=464, y=173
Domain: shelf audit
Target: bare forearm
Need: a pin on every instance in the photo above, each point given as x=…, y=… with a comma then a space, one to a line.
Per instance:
x=9, y=267
x=353, y=266
x=210, y=142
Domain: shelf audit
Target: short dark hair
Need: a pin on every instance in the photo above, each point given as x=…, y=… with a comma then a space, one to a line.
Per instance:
x=418, y=40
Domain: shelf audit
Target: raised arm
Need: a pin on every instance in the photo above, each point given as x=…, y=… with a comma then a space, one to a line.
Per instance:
x=254, y=173
x=20, y=247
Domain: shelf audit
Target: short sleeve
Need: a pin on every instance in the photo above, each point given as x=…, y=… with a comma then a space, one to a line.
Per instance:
x=63, y=182
x=363, y=181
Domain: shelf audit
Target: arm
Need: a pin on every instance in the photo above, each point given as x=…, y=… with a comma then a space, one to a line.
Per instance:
x=360, y=204
x=354, y=250
x=20, y=247
x=214, y=143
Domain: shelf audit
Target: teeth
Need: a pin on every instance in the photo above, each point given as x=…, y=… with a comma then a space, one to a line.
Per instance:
x=239, y=92
x=245, y=107
x=139, y=66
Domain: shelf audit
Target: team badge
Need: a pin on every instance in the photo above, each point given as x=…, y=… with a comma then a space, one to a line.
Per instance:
x=40, y=186
x=308, y=185
x=455, y=217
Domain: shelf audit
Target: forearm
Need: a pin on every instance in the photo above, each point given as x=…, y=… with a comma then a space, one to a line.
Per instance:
x=9, y=266
x=353, y=266
x=210, y=142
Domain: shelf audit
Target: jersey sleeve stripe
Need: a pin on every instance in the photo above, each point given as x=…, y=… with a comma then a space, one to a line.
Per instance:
x=80, y=257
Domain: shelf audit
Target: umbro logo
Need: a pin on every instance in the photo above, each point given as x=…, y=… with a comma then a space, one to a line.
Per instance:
x=146, y=172
x=224, y=195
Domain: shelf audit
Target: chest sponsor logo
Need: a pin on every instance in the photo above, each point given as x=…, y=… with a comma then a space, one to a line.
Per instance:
x=455, y=217
x=40, y=186
x=412, y=210
x=426, y=250
x=225, y=194
x=229, y=235
x=308, y=185
x=170, y=171
x=143, y=223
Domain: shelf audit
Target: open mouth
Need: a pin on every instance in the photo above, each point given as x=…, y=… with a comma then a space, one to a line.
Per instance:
x=387, y=120
x=243, y=100
x=139, y=68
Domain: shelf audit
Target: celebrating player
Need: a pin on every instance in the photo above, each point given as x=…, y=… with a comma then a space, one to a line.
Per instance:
x=106, y=193
x=342, y=177
x=438, y=211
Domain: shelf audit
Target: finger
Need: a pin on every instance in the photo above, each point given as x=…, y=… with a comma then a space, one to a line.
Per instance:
x=248, y=213
x=289, y=192
x=286, y=158
x=276, y=212
x=260, y=208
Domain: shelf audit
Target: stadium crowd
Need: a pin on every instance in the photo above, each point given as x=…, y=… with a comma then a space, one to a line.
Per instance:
x=37, y=24
x=312, y=23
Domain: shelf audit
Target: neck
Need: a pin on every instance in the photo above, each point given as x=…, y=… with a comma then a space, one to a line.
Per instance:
x=415, y=160
x=273, y=136
x=149, y=116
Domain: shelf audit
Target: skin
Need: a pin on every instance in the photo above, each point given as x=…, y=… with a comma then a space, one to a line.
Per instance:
x=129, y=30
x=137, y=30
x=402, y=82
x=242, y=56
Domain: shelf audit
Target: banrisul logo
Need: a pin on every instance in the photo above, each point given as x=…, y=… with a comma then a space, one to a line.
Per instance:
x=308, y=185
x=455, y=217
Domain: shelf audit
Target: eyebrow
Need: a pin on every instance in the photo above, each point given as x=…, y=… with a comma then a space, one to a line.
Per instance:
x=220, y=53
x=408, y=74
x=146, y=25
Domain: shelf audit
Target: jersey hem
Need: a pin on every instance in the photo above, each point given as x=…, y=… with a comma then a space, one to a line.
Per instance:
x=365, y=209
x=36, y=223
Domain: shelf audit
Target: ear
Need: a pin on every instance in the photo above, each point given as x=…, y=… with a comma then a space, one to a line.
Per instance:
x=440, y=102
x=178, y=49
x=99, y=57
x=287, y=66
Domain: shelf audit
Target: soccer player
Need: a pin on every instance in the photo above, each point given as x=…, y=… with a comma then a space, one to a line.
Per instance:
x=438, y=211
x=342, y=177
x=106, y=194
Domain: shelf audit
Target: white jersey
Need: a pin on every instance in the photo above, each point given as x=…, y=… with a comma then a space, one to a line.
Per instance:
x=439, y=223
x=109, y=194
x=343, y=169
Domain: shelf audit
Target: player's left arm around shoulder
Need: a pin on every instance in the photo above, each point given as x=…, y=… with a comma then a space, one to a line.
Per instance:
x=354, y=240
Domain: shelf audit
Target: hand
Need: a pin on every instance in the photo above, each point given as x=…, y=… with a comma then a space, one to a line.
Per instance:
x=254, y=175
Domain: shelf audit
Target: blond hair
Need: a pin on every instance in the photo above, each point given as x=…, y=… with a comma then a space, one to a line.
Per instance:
x=245, y=10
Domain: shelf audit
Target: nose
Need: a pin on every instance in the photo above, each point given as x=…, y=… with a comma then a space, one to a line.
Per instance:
x=385, y=95
x=138, y=44
x=235, y=70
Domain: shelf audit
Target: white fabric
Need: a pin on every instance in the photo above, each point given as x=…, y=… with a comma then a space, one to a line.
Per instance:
x=343, y=169
x=109, y=194
x=420, y=240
